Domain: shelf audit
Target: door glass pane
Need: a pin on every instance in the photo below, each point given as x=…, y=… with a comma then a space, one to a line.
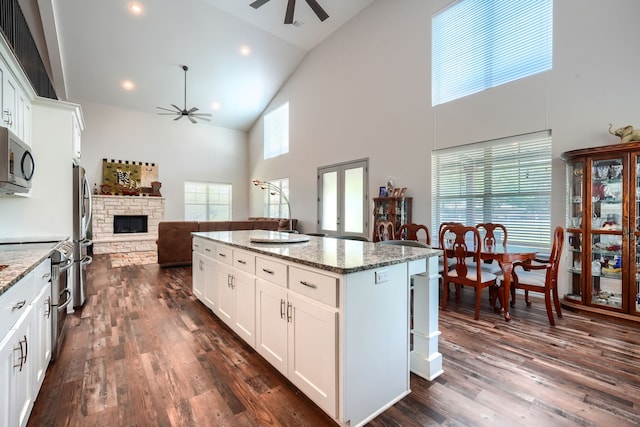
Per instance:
x=353, y=195
x=330, y=201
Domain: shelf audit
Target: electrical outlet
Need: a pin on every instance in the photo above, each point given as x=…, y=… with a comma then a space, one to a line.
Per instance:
x=382, y=276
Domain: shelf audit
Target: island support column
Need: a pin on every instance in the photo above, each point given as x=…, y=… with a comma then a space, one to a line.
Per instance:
x=425, y=360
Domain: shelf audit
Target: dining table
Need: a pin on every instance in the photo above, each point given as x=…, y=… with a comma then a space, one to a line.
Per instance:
x=506, y=255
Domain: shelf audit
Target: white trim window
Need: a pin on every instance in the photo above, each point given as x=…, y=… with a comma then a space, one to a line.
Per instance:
x=275, y=206
x=276, y=132
x=207, y=201
x=480, y=44
x=506, y=181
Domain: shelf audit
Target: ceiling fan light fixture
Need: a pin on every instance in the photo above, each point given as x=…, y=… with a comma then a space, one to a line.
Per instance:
x=191, y=113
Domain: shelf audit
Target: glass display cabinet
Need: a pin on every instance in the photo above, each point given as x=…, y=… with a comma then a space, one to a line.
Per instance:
x=394, y=209
x=603, y=229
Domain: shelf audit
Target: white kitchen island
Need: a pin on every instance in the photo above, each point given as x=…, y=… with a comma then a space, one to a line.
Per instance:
x=332, y=315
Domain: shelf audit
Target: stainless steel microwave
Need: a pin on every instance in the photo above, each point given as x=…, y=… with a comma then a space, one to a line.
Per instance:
x=16, y=163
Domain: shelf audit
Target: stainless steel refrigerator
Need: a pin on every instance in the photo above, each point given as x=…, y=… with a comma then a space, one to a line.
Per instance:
x=81, y=223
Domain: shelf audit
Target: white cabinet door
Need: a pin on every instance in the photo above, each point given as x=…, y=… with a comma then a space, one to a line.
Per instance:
x=244, y=320
x=42, y=337
x=198, y=272
x=312, y=356
x=271, y=324
x=10, y=103
x=7, y=382
x=226, y=294
x=210, y=283
x=76, y=139
x=24, y=358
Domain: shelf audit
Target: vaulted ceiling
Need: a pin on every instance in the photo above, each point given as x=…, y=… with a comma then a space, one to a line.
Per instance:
x=238, y=56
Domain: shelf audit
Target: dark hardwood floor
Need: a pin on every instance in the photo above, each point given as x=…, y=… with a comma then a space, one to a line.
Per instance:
x=144, y=352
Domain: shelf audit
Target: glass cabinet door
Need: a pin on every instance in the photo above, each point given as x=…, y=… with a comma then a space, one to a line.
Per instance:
x=607, y=225
x=575, y=210
x=634, y=201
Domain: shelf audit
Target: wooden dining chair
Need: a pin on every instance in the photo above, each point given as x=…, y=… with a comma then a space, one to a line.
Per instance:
x=492, y=235
x=540, y=277
x=459, y=243
x=441, y=259
x=412, y=232
x=385, y=230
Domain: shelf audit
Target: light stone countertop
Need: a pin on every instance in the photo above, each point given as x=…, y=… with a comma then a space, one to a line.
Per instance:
x=19, y=263
x=325, y=253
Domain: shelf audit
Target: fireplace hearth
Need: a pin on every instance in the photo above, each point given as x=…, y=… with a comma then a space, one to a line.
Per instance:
x=129, y=224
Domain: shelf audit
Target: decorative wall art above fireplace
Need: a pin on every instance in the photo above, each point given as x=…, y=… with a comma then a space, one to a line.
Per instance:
x=129, y=178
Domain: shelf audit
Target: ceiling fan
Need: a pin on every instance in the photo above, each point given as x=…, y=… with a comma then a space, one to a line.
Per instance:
x=191, y=112
x=291, y=4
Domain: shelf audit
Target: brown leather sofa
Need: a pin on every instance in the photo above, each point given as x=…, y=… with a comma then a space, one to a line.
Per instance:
x=174, y=237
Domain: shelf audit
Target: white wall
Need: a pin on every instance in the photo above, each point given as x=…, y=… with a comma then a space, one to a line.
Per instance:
x=182, y=151
x=366, y=93
x=48, y=211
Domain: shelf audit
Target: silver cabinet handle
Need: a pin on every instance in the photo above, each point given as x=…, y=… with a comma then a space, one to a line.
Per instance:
x=289, y=309
x=242, y=262
x=47, y=304
x=308, y=285
x=222, y=255
x=207, y=249
x=18, y=305
x=268, y=271
x=282, y=308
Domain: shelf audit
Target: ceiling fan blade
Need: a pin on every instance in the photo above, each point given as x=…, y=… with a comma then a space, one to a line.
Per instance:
x=178, y=118
x=165, y=109
x=192, y=110
x=192, y=119
x=256, y=4
x=288, y=17
x=322, y=15
x=176, y=107
x=167, y=114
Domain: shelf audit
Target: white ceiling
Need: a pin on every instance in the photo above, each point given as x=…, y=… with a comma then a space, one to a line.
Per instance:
x=93, y=45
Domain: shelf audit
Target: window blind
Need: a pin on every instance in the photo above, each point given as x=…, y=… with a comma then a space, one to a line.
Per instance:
x=276, y=132
x=479, y=44
x=275, y=204
x=506, y=181
x=207, y=201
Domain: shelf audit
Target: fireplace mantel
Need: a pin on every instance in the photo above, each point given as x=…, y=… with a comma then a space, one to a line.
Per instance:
x=104, y=209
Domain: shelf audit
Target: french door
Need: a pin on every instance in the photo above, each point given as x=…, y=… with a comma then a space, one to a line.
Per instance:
x=342, y=199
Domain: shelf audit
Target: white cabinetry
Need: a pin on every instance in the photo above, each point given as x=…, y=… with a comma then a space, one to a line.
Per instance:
x=297, y=335
x=16, y=106
x=236, y=291
x=25, y=341
x=205, y=287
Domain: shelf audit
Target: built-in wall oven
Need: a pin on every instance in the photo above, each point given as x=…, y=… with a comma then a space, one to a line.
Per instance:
x=61, y=263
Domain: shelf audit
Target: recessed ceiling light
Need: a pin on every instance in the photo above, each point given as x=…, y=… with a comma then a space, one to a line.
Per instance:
x=216, y=106
x=136, y=8
x=127, y=85
x=245, y=50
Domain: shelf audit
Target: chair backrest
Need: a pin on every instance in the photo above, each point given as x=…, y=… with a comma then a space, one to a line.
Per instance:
x=412, y=243
x=411, y=231
x=459, y=243
x=556, y=252
x=443, y=225
x=385, y=230
x=494, y=234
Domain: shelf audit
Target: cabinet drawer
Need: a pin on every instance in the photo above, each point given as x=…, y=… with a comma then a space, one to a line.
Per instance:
x=224, y=254
x=42, y=275
x=197, y=244
x=314, y=285
x=271, y=271
x=244, y=261
x=209, y=249
x=15, y=302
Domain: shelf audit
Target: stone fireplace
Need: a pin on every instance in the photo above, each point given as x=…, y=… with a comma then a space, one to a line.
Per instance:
x=127, y=234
